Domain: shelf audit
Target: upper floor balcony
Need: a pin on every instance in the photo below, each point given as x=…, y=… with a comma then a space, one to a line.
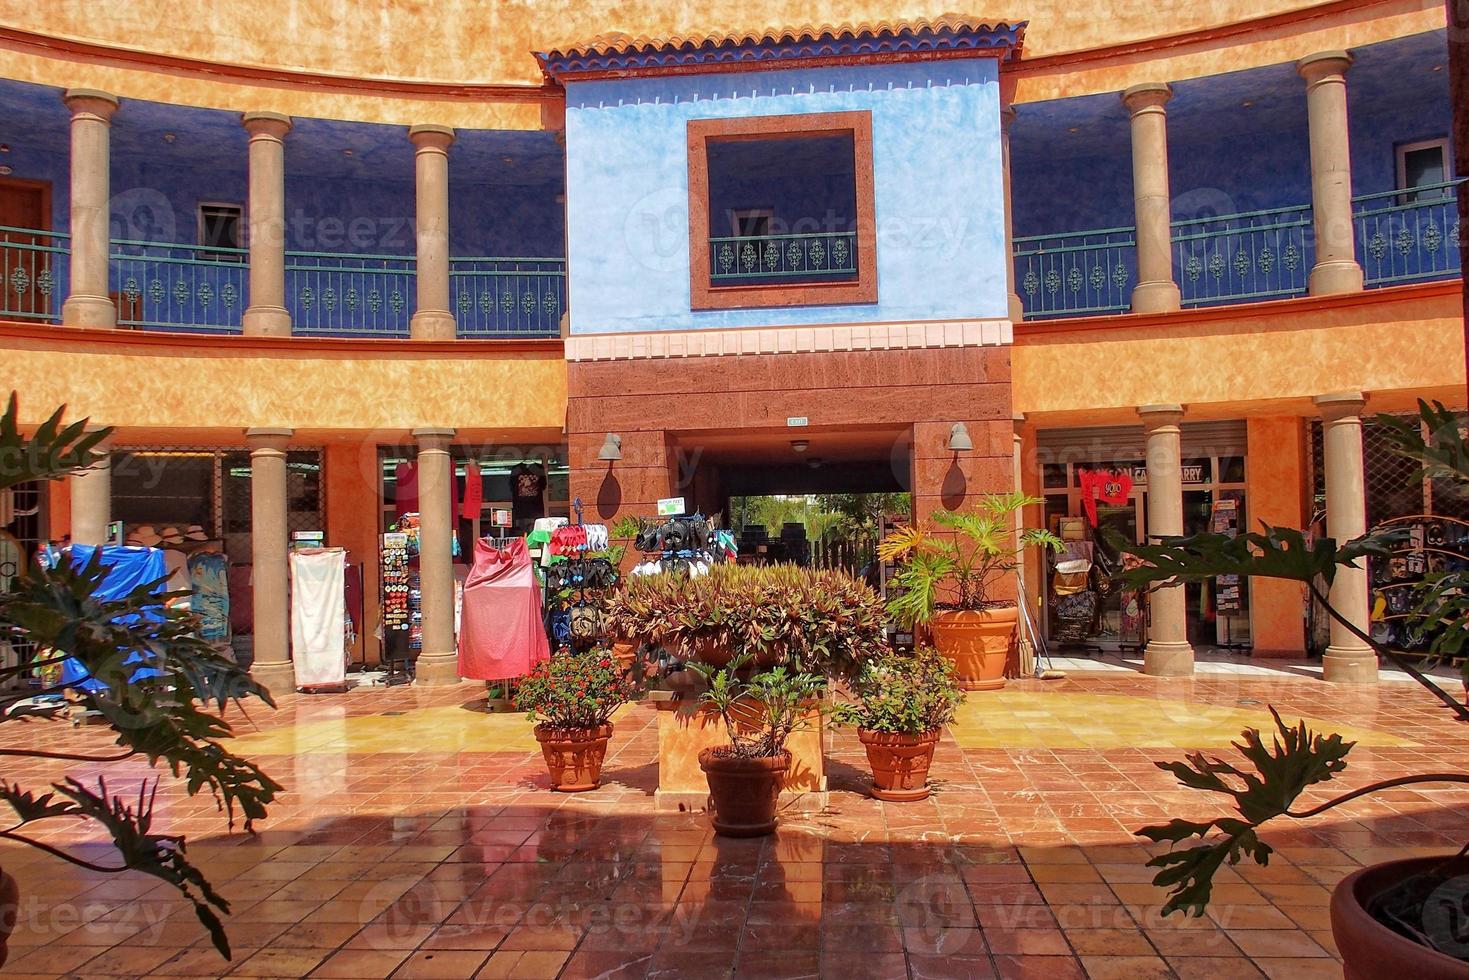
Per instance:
x=346, y=218
x=1226, y=188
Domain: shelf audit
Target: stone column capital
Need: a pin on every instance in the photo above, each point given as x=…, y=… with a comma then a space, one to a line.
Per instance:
x=268, y=437
x=272, y=125
x=1340, y=404
x=1147, y=96
x=90, y=102
x=1324, y=65
x=430, y=136
x=433, y=437
x=1160, y=416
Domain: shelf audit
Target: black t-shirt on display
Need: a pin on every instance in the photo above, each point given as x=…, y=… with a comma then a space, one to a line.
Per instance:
x=527, y=484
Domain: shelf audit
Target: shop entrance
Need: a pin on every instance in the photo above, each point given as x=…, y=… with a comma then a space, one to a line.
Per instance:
x=1214, y=499
x=801, y=495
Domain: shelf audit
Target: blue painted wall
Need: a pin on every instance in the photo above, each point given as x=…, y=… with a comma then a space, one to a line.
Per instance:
x=937, y=189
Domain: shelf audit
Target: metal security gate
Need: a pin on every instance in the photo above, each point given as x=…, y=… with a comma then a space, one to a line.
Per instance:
x=1393, y=486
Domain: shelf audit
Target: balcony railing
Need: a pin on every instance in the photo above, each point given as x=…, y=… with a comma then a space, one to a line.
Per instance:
x=1250, y=255
x=1409, y=236
x=508, y=297
x=748, y=260
x=1076, y=274
x=32, y=273
x=334, y=294
x=164, y=286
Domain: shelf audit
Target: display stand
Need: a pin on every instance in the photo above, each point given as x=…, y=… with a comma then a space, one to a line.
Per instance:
x=399, y=581
x=1430, y=545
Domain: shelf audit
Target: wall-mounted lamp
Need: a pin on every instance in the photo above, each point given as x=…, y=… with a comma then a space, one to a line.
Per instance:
x=959, y=441
x=611, y=448
x=800, y=445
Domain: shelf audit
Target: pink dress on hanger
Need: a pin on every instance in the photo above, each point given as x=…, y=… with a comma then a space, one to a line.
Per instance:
x=501, y=631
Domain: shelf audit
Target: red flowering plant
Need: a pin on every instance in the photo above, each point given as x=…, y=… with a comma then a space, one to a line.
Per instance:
x=575, y=690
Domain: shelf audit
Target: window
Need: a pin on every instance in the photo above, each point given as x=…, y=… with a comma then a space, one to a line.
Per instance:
x=219, y=232
x=1423, y=164
x=781, y=211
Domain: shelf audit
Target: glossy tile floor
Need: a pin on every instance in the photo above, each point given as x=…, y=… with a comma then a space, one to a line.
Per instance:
x=417, y=839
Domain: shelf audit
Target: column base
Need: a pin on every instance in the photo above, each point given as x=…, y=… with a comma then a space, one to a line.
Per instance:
x=432, y=325
x=1350, y=665
x=1330, y=278
x=266, y=321
x=277, y=678
x=89, y=311
x=1168, y=659
x=1156, y=297
x=1017, y=308
x=436, y=670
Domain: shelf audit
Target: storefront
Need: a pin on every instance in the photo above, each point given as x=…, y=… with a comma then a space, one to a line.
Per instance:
x=1214, y=499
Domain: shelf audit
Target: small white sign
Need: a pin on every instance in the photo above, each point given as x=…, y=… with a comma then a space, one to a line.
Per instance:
x=797, y=421
x=670, y=507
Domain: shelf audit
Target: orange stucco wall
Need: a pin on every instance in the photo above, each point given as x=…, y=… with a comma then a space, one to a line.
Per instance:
x=1263, y=358
x=1072, y=49
x=1276, y=473
x=351, y=493
x=219, y=386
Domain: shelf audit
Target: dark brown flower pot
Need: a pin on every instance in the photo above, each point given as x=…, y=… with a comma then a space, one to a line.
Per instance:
x=9, y=911
x=1370, y=950
x=743, y=792
x=574, y=756
x=899, y=764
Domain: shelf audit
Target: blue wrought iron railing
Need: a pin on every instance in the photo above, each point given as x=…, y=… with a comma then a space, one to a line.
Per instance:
x=333, y=294
x=507, y=297
x=32, y=273
x=1409, y=236
x=1076, y=274
x=1249, y=255
x=162, y=285
x=769, y=259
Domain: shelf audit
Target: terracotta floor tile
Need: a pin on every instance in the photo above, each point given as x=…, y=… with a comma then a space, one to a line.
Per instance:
x=360, y=963
x=1260, y=943
x=442, y=964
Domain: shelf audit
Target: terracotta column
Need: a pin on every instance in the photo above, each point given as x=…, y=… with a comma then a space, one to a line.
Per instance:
x=91, y=500
x=1336, y=269
x=1017, y=308
x=433, y=320
x=272, y=666
x=438, y=662
x=1168, y=652
x=87, y=303
x=1348, y=659
x=1155, y=292
x=267, y=315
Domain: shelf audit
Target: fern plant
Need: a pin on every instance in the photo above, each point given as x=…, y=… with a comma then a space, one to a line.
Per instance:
x=145, y=670
x=959, y=569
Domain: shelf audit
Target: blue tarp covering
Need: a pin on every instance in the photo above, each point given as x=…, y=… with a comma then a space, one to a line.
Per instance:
x=127, y=569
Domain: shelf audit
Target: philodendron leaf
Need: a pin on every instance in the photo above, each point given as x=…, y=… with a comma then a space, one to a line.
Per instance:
x=1275, y=552
x=1296, y=759
x=1444, y=454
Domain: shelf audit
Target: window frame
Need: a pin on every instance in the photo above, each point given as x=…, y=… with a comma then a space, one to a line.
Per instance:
x=1400, y=154
x=703, y=295
x=219, y=253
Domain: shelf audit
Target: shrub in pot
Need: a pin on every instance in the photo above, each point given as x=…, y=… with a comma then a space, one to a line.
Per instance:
x=946, y=579
x=902, y=703
x=572, y=697
x=1399, y=918
x=759, y=715
x=812, y=621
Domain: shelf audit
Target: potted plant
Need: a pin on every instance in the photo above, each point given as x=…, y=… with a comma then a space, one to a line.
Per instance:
x=820, y=622
x=1399, y=918
x=145, y=671
x=903, y=703
x=572, y=697
x=946, y=582
x=759, y=715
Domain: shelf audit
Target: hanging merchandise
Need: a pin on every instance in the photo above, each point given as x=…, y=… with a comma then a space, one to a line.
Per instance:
x=318, y=614
x=527, y=493
x=474, y=492
x=681, y=546
x=502, y=634
x=397, y=579
x=209, y=571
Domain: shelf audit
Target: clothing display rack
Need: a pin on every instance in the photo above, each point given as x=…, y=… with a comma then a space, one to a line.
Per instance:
x=575, y=582
x=1427, y=545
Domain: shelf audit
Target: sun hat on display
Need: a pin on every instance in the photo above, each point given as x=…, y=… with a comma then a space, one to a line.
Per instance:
x=195, y=533
x=172, y=535
x=144, y=536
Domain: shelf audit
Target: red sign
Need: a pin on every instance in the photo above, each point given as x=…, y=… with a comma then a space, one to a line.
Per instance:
x=1108, y=486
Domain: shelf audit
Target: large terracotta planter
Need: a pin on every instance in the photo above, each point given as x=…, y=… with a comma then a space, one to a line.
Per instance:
x=1369, y=949
x=979, y=643
x=743, y=792
x=574, y=756
x=899, y=764
x=9, y=911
